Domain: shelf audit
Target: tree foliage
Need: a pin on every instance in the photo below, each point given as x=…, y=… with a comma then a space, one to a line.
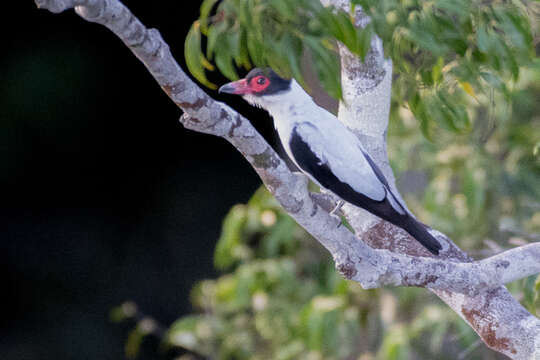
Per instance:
x=273, y=33
x=281, y=298
x=483, y=184
x=444, y=51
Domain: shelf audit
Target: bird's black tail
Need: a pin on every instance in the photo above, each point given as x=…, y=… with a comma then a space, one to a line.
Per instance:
x=420, y=233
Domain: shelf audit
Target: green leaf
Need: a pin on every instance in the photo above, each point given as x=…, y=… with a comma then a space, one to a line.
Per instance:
x=530, y=292
x=245, y=12
x=279, y=61
x=516, y=28
x=278, y=236
x=348, y=30
x=255, y=50
x=234, y=44
x=133, y=343
x=331, y=24
x=326, y=65
x=224, y=62
x=364, y=41
x=536, y=303
x=313, y=324
x=186, y=323
x=242, y=58
x=426, y=40
x=215, y=32
x=294, y=57
x=536, y=149
x=495, y=81
x=206, y=7
x=461, y=8
x=231, y=237
x=436, y=71
x=418, y=108
x=183, y=333
x=483, y=39
x=194, y=56
x=474, y=191
x=454, y=116
x=467, y=87
x=284, y=8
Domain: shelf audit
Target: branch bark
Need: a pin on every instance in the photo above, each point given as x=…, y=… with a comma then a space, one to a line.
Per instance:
x=472, y=289
x=502, y=323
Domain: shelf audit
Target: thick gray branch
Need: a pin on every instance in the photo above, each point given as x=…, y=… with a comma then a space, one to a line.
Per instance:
x=494, y=314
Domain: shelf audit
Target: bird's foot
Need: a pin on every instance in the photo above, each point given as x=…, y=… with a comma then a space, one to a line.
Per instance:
x=337, y=208
x=334, y=213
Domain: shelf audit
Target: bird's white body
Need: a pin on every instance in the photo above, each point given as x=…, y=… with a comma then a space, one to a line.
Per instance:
x=327, y=137
x=326, y=150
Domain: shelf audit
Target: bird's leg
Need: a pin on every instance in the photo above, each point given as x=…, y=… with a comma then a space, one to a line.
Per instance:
x=338, y=207
x=334, y=212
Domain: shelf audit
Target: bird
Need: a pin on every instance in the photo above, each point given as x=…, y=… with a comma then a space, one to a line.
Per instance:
x=325, y=150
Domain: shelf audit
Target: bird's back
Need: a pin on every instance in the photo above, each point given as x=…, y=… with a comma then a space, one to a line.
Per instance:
x=330, y=142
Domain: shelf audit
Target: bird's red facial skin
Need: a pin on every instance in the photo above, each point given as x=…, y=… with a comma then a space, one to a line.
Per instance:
x=259, y=83
x=255, y=85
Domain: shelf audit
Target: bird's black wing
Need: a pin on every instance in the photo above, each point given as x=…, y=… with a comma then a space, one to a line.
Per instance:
x=309, y=162
x=375, y=168
x=381, y=177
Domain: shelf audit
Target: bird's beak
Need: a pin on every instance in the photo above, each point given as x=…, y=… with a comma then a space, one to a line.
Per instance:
x=239, y=87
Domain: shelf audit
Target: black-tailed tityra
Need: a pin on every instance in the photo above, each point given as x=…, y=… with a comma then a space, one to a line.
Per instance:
x=326, y=150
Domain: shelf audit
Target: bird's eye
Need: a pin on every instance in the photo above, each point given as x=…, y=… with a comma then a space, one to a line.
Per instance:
x=261, y=81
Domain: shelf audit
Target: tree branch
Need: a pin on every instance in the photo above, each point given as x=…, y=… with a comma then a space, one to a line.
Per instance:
x=502, y=323
x=493, y=313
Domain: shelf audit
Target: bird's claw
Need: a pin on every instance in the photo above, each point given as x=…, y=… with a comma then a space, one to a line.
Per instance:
x=334, y=212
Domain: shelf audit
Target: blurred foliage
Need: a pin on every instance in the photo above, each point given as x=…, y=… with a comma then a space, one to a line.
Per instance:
x=447, y=52
x=444, y=51
x=484, y=184
x=281, y=298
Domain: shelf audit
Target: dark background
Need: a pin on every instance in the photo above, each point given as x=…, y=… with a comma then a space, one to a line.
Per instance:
x=104, y=196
